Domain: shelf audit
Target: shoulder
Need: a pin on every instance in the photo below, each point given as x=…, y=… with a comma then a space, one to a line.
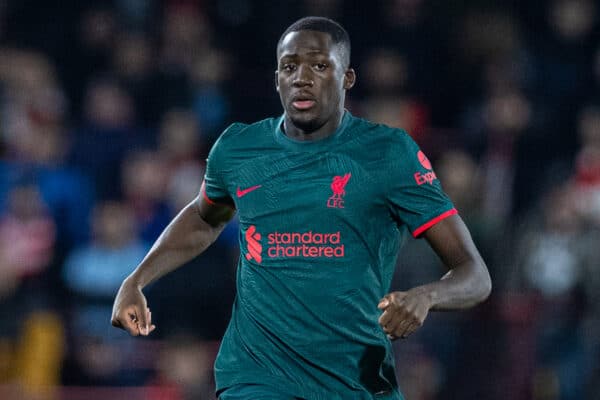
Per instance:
x=239, y=130
x=388, y=139
x=242, y=136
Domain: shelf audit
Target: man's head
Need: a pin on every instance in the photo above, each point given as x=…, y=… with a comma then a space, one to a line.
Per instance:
x=313, y=57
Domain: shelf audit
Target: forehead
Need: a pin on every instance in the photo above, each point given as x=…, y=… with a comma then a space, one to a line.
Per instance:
x=306, y=42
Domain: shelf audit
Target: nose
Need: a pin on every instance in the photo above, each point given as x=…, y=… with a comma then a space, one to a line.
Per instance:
x=303, y=77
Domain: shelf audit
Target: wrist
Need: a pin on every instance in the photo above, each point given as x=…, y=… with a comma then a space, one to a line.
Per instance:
x=134, y=281
x=428, y=294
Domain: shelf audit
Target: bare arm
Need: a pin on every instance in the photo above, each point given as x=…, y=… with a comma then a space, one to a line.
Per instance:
x=191, y=232
x=466, y=284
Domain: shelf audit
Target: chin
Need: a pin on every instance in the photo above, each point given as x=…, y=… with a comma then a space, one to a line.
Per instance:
x=305, y=121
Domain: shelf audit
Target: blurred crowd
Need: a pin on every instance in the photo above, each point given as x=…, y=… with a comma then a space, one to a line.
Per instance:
x=108, y=110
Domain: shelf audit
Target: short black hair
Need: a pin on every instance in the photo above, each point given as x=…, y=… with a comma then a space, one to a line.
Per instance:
x=338, y=34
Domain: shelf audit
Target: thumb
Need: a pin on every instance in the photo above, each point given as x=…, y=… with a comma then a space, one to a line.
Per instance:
x=383, y=303
x=389, y=298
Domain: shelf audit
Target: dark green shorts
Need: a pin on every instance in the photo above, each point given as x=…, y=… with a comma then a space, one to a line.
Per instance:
x=252, y=391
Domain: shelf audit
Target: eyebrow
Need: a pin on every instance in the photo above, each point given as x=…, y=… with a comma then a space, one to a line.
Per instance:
x=310, y=52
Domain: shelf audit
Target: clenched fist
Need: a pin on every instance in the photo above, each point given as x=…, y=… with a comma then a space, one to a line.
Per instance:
x=404, y=312
x=130, y=311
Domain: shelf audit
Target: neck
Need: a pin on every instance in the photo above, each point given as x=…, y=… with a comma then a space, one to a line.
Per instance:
x=321, y=132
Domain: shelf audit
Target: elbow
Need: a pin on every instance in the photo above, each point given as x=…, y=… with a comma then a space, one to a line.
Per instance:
x=487, y=289
x=483, y=287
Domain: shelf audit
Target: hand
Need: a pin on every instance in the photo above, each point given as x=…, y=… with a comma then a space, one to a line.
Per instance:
x=403, y=312
x=130, y=311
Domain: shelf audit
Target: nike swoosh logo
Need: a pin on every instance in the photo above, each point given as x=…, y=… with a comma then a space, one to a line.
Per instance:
x=241, y=193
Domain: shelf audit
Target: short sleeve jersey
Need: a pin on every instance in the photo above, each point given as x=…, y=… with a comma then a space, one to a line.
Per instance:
x=320, y=227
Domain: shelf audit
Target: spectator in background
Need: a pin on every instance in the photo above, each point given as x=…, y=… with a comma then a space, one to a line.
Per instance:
x=586, y=186
x=388, y=100
x=463, y=181
x=89, y=53
x=185, y=34
x=500, y=131
x=594, y=87
x=507, y=119
x=108, y=133
x=401, y=22
x=144, y=178
x=92, y=273
x=93, y=270
x=134, y=66
x=27, y=236
x=33, y=133
x=552, y=253
x=563, y=56
x=181, y=140
x=587, y=164
x=32, y=342
x=185, y=365
x=209, y=73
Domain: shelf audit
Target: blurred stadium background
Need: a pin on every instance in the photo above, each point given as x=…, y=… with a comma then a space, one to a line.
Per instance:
x=108, y=109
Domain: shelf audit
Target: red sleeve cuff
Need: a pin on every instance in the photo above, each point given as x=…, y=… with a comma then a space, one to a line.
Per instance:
x=203, y=191
x=417, y=232
x=209, y=200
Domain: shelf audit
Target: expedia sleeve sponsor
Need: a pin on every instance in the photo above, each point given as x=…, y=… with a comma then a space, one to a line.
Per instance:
x=414, y=193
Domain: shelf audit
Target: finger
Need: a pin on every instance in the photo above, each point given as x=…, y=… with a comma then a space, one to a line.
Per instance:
x=396, y=297
x=383, y=303
x=407, y=331
x=411, y=329
x=393, y=327
x=127, y=321
x=150, y=325
x=385, y=318
x=132, y=321
x=142, y=320
x=391, y=337
x=390, y=299
x=401, y=328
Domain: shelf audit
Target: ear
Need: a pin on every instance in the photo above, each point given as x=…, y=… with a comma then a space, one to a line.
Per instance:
x=349, y=78
x=277, y=81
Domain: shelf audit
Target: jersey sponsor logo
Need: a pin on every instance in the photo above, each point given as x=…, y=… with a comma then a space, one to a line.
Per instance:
x=423, y=160
x=241, y=193
x=427, y=177
x=254, y=247
x=338, y=185
x=294, y=244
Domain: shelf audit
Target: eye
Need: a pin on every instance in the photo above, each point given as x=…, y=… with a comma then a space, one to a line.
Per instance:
x=320, y=66
x=288, y=67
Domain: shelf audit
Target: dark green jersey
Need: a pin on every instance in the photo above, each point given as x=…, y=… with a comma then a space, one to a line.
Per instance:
x=320, y=228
